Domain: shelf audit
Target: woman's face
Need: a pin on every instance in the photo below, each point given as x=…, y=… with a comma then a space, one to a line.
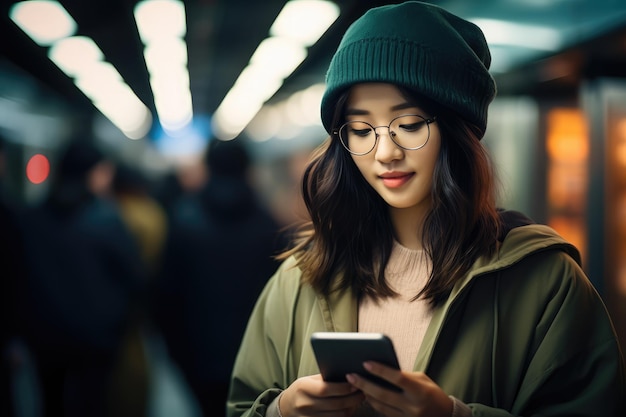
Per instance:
x=403, y=178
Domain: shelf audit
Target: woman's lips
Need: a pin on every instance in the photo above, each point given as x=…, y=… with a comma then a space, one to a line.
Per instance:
x=396, y=179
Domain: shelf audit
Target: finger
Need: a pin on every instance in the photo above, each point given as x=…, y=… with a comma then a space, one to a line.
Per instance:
x=383, y=408
x=380, y=399
x=392, y=375
x=343, y=403
x=302, y=398
x=320, y=388
x=361, y=383
x=337, y=389
x=372, y=388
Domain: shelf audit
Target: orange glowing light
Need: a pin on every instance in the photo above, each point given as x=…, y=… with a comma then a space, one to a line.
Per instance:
x=567, y=135
x=620, y=145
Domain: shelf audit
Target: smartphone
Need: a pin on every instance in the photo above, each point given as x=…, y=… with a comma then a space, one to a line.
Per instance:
x=341, y=353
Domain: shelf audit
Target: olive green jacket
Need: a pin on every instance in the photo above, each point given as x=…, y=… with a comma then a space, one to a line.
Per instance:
x=523, y=334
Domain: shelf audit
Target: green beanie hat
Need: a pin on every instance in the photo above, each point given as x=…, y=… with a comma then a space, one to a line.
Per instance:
x=418, y=46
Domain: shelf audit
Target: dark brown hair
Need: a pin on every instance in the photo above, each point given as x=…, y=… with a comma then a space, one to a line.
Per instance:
x=347, y=241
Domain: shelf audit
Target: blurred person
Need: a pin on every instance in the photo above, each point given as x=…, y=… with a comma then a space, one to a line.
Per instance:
x=12, y=264
x=490, y=313
x=147, y=221
x=218, y=256
x=142, y=212
x=184, y=178
x=167, y=189
x=192, y=175
x=82, y=272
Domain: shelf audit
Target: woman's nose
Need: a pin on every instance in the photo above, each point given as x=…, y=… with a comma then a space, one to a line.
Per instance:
x=386, y=149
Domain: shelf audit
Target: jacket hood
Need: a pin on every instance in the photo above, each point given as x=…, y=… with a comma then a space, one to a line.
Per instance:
x=521, y=242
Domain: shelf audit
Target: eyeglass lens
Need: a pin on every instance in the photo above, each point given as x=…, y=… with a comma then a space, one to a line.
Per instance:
x=408, y=132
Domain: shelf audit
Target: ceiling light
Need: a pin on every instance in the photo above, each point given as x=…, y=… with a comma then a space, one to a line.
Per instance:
x=120, y=105
x=174, y=107
x=44, y=21
x=305, y=20
x=302, y=107
x=281, y=120
x=234, y=113
x=49, y=24
x=101, y=73
x=160, y=19
x=164, y=54
x=75, y=55
x=162, y=28
x=265, y=124
x=299, y=24
x=280, y=56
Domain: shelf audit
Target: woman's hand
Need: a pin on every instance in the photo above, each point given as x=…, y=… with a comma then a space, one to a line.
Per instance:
x=311, y=396
x=420, y=396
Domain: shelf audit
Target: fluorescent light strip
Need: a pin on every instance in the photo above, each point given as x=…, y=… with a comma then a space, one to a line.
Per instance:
x=298, y=25
x=293, y=114
x=43, y=21
x=158, y=19
x=162, y=27
x=49, y=24
x=304, y=20
x=75, y=55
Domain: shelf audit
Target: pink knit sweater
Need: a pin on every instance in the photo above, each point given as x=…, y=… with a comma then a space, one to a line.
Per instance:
x=403, y=320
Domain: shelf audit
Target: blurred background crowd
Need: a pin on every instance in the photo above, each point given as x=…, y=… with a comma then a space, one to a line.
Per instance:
x=150, y=157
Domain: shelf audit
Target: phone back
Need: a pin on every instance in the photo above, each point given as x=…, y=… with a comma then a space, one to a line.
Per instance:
x=340, y=353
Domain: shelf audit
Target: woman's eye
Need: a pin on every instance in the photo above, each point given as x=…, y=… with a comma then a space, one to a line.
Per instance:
x=361, y=132
x=412, y=127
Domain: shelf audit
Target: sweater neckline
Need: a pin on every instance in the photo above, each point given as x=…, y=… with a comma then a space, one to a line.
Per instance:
x=407, y=268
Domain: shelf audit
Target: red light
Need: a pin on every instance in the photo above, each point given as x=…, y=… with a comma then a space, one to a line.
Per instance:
x=37, y=168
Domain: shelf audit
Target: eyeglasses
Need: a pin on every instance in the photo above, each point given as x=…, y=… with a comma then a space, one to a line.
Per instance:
x=409, y=132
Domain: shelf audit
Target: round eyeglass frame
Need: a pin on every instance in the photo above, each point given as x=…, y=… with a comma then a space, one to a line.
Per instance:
x=392, y=134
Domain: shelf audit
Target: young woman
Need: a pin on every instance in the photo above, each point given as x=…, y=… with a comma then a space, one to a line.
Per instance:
x=489, y=313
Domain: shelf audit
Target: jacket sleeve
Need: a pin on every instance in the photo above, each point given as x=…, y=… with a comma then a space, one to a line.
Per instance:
x=259, y=373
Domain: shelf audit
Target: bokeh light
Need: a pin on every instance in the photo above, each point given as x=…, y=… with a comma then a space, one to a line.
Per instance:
x=37, y=168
